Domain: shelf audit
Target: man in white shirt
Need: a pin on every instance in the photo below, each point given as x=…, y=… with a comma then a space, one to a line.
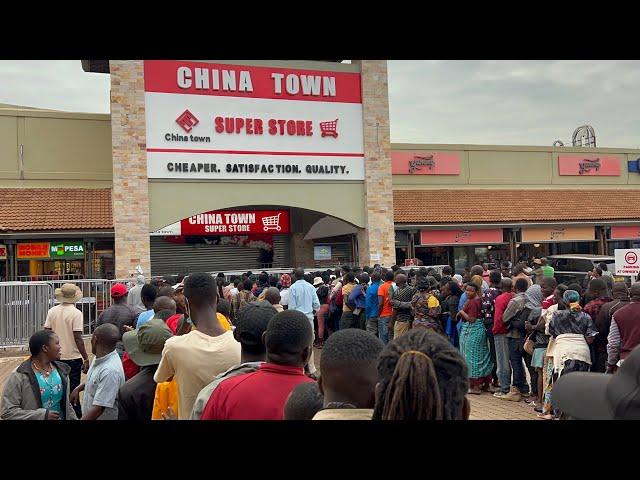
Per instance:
x=303, y=297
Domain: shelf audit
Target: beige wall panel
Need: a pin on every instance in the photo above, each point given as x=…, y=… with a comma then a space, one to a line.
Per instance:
x=57, y=148
x=9, y=148
x=517, y=168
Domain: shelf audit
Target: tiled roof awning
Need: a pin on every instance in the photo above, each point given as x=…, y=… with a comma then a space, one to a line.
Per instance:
x=525, y=205
x=38, y=209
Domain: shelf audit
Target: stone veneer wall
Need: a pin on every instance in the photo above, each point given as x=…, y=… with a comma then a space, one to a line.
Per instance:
x=130, y=189
x=376, y=244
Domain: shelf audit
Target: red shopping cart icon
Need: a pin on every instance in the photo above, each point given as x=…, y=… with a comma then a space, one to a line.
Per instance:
x=271, y=223
x=328, y=129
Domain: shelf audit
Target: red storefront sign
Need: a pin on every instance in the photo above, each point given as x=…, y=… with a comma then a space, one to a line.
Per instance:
x=476, y=236
x=425, y=163
x=33, y=250
x=625, y=232
x=589, y=166
x=225, y=222
x=3, y=252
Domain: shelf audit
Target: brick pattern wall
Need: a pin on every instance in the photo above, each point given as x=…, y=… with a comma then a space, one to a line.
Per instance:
x=130, y=190
x=377, y=243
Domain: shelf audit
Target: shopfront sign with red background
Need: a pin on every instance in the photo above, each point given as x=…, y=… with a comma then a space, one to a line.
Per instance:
x=587, y=166
x=3, y=252
x=476, y=236
x=236, y=222
x=625, y=232
x=425, y=163
x=32, y=250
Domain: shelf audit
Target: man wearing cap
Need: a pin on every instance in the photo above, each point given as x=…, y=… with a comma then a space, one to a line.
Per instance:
x=119, y=313
x=144, y=346
x=599, y=396
x=66, y=321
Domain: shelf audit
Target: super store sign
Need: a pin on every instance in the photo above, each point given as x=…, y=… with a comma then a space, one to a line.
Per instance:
x=229, y=122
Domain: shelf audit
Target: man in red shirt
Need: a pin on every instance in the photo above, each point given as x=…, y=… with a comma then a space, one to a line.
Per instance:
x=261, y=395
x=385, y=310
x=499, y=330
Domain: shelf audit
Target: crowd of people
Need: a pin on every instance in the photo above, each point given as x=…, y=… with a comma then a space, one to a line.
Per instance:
x=395, y=345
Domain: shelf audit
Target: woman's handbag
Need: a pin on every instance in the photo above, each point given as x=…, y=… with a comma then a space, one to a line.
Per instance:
x=529, y=345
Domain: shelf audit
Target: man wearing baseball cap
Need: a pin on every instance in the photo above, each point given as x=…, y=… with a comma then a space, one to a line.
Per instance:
x=600, y=396
x=144, y=346
x=119, y=313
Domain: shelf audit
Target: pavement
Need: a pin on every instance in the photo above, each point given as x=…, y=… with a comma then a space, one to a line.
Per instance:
x=483, y=407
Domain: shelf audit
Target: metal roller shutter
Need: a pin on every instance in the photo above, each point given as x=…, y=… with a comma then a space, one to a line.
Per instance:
x=341, y=252
x=170, y=258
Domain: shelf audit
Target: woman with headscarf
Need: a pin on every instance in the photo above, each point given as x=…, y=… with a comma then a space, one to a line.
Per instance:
x=285, y=284
x=573, y=331
x=425, y=306
x=473, y=339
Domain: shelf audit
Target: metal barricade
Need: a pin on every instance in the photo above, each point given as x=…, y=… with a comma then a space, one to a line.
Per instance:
x=23, y=310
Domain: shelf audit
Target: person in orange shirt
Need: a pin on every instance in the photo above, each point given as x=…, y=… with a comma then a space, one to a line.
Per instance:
x=385, y=310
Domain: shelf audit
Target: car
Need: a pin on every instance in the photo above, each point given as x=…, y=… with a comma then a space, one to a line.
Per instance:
x=574, y=268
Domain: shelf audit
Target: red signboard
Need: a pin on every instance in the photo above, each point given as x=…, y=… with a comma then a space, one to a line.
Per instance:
x=33, y=250
x=589, y=166
x=444, y=237
x=3, y=252
x=425, y=163
x=625, y=232
x=411, y=262
x=236, y=222
x=199, y=78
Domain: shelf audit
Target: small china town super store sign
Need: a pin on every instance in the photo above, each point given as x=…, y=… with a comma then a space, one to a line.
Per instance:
x=217, y=121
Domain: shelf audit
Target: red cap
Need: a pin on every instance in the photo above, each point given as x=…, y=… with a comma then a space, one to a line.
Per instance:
x=118, y=290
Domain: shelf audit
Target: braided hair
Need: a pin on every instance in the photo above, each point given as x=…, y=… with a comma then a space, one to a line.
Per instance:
x=422, y=377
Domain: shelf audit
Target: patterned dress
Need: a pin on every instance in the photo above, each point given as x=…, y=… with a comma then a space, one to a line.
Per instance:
x=51, y=391
x=474, y=345
x=426, y=311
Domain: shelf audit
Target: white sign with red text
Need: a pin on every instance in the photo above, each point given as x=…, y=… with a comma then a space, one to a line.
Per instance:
x=213, y=121
x=627, y=261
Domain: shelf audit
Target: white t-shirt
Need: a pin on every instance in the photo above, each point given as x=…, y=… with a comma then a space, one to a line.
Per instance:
x=64, y=319
x=284, y=296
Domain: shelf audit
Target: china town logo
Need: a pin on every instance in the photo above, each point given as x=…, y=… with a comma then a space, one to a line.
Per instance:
x=418, y=161
x=586, y=165
x=187, y=121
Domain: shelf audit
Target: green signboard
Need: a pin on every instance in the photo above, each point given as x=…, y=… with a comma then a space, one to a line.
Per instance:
x=66, y=250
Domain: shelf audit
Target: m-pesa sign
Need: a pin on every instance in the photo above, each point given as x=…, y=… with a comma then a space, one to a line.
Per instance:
x=217, y=121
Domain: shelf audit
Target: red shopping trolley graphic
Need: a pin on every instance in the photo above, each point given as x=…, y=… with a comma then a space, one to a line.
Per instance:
x=187, y=120
x=271, y=223
x=329, y=129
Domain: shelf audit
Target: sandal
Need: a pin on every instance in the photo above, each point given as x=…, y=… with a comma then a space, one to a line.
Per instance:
x=475, y=391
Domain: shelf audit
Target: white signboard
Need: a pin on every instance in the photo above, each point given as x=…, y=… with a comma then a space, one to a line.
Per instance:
x=627, y=261
x=322, y=252
x=234, y=122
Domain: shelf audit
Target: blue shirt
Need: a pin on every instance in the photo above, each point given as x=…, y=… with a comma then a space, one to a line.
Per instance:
x=104, y=379
x=303, y=297
x=358, y=297
x=51, y=391
x=371, y=300
x=144, y=317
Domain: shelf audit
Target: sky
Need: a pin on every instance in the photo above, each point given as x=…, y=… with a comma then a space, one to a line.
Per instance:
x=445, y=101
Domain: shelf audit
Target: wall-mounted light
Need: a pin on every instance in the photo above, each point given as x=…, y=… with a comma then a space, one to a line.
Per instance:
x=517, y=245
x=537, y=245
x=489, y=247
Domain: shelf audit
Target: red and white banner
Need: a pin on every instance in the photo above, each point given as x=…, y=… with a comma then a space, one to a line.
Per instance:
x=425, y=163
x=217, y=121
x=230, y=222
x=588, y=166
x=3, y=252
x=625, y=232
x=453, y=237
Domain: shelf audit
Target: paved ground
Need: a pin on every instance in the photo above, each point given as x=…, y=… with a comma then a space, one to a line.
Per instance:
x=483, y=407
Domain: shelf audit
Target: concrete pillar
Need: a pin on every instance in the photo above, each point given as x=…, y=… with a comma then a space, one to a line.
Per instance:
x=376, y=244
x=130, y=188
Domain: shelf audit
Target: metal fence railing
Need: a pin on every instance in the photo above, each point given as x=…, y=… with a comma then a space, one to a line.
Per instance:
x=23, y=309
x=24, y=306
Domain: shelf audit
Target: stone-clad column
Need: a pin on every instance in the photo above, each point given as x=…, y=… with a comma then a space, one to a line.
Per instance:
x=376, y=244
x=130, y=189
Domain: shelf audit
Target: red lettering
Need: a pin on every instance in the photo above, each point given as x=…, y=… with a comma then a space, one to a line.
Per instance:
x=219, y=124
x=228, y=125
x=281, y=124
x=309, y=125
x=272, y=127
x=300, y=128
x=249, y=126
x=291, y=127
x=239, y=124
x=258, y=126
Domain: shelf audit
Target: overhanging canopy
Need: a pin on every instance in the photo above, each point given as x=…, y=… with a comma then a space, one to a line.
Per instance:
x=329, y=227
